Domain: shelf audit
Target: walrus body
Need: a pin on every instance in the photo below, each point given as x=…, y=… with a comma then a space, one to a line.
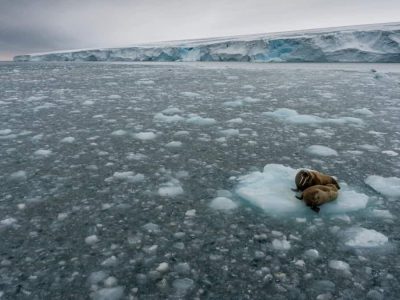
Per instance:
x=317, y=195
x=307, y=178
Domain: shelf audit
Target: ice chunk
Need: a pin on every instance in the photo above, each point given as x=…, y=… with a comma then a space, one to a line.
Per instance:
x=114, y=293
x=171, y=110
x=281, y=244
x=321, y=150
x=223, y=203
x=42, y=153
x=271, y=191
x=162, y=267
x=198, y=120
x=190, y=94
x=5, y=131
x=145, y=136
x=174, y=144
x=170, y=189
x=160, y=117
x=387, y=186
x=390, y=153
x=182, y=286
x=339, y=265
x=229, y=132
x=7, y=222
x=91, y=240
x=364, y=111
x=96, y=277
x=118, y=132
x=68, y=140
x=127, y=176
x=359, y=237
x=18, y=176
x=291, y=116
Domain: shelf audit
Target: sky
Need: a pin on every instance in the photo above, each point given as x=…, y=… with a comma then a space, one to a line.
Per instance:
x=29, y=26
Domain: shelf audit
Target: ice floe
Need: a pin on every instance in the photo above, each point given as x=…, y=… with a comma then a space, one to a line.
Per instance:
x=171, y=188
x=291, y=116
x=359, y=237
x=127, y=176
x=145, y=136
x=387, y=186
x=271, y=191
x=199, y=120
x=223, y=203
x=320, y=150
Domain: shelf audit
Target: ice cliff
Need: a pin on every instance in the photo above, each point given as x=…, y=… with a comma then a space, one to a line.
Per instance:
x=366, y=43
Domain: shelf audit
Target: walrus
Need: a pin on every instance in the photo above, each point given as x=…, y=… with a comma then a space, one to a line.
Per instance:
x=316, y=195
x=306, y=178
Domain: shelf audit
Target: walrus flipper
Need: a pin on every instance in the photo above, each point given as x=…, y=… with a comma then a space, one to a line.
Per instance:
x=315, y=208
x=300, y=198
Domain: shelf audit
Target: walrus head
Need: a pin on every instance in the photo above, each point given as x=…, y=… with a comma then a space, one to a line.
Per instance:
x=303, y=178
x=334, y=182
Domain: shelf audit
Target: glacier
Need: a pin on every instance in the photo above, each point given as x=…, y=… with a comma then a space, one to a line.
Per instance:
x=362, y=43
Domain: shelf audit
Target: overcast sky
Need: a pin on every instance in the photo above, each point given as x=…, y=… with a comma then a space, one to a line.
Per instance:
x=28, y=26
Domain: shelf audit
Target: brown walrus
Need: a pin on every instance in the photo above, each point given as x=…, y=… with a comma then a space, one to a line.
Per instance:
x=306, y=178
x=317, y=195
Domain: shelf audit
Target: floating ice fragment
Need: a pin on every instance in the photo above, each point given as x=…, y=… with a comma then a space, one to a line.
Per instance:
x=91, y=240
x=190, y=94
x=174, y=144
x=321, y=150
x=223, y=203
x=171, y=110
x=114, y=293
x=291, y=116
x=198, y=120
x=271, y=191
x=229, y=132
x=127, y=176
x=42, y=153
x=363, y=111
x=68, y=140
x=281, y=244
x=387, y=186
x=359, y=237
x=119, y=132
x=145, y=136
x=160, y=117
x=18, y=176
x=151, y=227
x=182, y=286
x=162, y=267
x=5, y=131
x=88, y=102
x=96, y=277
x=390, y=153
x=190, y=213
x=7, y=222
x=170, y=189
x=110, y=262
x=339, y=265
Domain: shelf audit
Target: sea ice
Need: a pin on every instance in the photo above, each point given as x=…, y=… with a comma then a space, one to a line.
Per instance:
x=281, y=244
x=91, y=240
x=68, y=140
x=387, y=186
x=292, y=116
x=127, y=176
x=119, y=132
x=339, y=265
x=18, y=176
x=271, y=191
x=42, y=153
x=321, y=150
x=364, y=111
x=222, y=203
x=161, y=117
x=171, y=188
x=359, y=237
x=145, y=136
x=198, y=120
x=114, y=293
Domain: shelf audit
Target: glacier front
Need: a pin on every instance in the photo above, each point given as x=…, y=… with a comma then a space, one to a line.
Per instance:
x=363, y=43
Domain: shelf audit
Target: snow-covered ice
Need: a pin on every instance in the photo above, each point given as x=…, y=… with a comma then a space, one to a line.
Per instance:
x=223, y=203
x=387, y=186
x=359, y=237
x=320, y=150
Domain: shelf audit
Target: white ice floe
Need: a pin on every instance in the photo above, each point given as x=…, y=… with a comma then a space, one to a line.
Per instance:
x=291, y=116
x=235, y=121
x=145, y=136
x=363, y=111
x=223, y=203
x=127, y=176
x=18, y=176
x=281, y=244
x=359, y=237
x=174, y=144
x=5, y=131
x=390, y=153
x=161, y=117
x=88, y=102
x=162, y=267
x=387, y=186
x=91, y=240
x=119, y=132
x=68, y=140
x=199, y=120
x=271, y=191
x=339, y=265
x=171, y=188
x=190, y=94
x=42, y=153
x=382, y=213
x=7, y=222
x=114, y=293
x=320, y=150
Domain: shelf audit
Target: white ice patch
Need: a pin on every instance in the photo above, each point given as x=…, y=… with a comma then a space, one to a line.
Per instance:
x=387, y=186
x=7, y=222
x=128, y=176
x=281, y=244
x=119, y=132
x=291, y=116
x=5, y=131
x=171, y=111
x=364, y=111
x=223, y=203
x=42, y=153
x=174, y=144
x=68, y=140
x=390, y=153
x=160, y=117
x=339, y=265
x=114, y=293
x=145, y=136
x=235, y=103
x=18, y=176
x=190, y=94
x=271, y=191
x=88, y=102
x=199, y=120
x=235, y=121
x=359, y=237
x=171, y=188
x=321, y=150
